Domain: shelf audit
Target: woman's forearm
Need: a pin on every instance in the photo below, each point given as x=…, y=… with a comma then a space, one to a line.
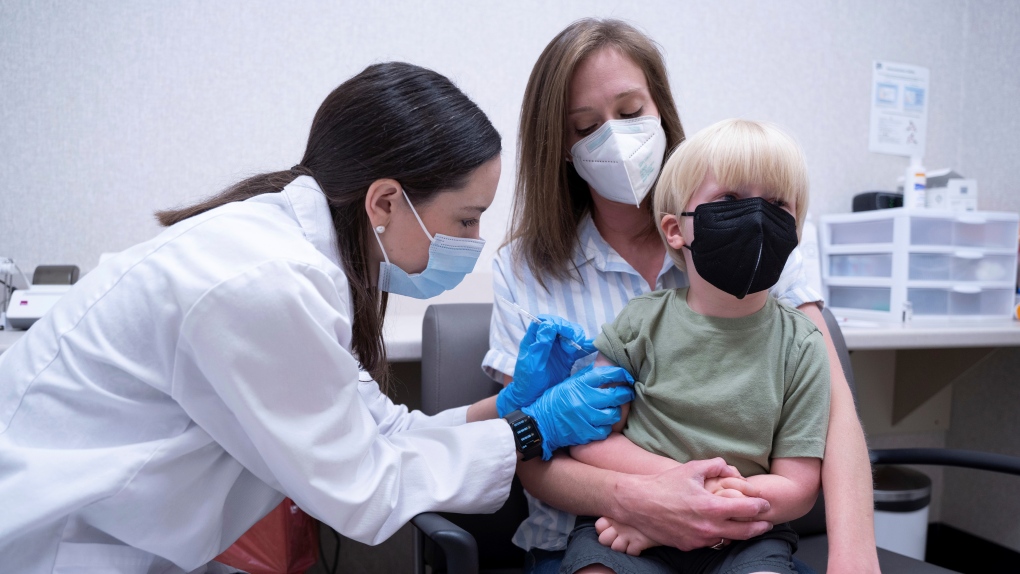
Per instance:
x=483, y=410
x=849, y=494
x=569, y=485
x=846, y=473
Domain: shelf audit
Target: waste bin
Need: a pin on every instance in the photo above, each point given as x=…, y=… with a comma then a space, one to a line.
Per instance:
x=902, y=496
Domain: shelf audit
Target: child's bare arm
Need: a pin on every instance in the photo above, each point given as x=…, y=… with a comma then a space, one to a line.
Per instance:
x=791, y=488
x=619, y=454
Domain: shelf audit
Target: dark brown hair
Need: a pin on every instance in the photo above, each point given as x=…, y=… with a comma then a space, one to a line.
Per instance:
x=393, y=120
x=550, y=197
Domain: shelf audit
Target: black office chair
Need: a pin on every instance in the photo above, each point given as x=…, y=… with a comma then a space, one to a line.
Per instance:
x=455, y=338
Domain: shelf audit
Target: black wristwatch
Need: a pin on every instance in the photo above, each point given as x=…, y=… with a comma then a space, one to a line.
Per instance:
x=526, y=434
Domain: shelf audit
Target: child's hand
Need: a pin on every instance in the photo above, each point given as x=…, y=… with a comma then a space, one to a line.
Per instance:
x=732, y=487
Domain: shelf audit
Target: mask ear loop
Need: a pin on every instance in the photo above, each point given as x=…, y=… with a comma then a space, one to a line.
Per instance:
x=687, y=214
x=415, y=212
x=383, y=269
x=378, y=239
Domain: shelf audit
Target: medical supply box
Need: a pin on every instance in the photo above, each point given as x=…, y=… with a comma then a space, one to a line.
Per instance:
x=915, y=264
x=947, y=189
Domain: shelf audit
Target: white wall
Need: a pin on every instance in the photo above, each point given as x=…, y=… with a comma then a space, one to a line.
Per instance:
x=109, y=111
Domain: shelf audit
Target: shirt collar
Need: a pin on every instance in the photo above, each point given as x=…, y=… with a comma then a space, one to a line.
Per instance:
x=593, y=249
x=311, y=210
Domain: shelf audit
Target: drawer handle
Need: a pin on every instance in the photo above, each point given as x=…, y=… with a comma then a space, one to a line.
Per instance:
x=973, y=219
x=968, y=254
x=966, y=289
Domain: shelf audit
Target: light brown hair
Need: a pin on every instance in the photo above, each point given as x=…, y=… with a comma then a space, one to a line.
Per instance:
x=740, y=154
x=550, y=198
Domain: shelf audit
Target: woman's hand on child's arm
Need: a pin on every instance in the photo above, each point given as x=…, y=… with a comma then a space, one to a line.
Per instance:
x=791, y=487
x=672, y=508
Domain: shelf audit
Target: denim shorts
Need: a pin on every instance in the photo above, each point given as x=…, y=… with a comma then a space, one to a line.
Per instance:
x=771, y=552
x=538, y=561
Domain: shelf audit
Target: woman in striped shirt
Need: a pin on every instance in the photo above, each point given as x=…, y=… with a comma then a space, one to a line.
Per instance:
x=597, y=119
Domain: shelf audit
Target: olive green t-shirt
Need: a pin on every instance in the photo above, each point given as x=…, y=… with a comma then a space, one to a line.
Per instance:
x=747, y=389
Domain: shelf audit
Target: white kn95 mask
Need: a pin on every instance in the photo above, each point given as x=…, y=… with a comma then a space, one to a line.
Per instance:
x=621, y=160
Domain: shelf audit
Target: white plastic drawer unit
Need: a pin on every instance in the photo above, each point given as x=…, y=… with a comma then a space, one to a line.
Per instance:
x=938, y=264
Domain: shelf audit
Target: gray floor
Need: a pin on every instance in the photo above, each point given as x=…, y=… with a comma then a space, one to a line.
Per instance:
x=396, y=554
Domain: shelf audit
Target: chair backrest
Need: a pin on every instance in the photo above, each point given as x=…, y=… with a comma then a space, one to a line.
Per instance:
x=455, y=338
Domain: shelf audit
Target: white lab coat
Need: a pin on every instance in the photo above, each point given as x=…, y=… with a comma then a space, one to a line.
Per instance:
x=174, y=396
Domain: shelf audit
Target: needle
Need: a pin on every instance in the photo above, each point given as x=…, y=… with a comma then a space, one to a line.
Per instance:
x=524, y=313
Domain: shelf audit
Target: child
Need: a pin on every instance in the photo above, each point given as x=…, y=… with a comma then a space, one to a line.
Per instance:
x=722, y=368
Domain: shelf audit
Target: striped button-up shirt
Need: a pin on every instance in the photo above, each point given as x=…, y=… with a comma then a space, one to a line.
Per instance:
x=606, y=282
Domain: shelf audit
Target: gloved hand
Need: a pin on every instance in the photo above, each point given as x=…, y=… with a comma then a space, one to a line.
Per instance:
x=543, y=360
x=578, y=411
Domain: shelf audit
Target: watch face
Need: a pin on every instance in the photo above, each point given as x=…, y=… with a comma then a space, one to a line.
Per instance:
x=526, y=434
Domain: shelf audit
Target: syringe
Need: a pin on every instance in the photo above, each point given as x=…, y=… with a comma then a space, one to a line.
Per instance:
x=524, y=313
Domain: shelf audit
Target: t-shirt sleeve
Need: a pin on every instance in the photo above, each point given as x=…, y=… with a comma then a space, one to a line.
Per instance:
x=805, y=418
x=615, y=340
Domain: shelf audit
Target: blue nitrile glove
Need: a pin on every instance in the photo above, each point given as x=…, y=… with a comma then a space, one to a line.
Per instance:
x=543, y=360
x=578, y=410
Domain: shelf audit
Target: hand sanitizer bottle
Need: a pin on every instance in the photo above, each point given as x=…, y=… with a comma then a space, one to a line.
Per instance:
x=914, y=185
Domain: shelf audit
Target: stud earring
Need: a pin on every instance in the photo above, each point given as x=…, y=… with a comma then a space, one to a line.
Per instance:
x=379, y=228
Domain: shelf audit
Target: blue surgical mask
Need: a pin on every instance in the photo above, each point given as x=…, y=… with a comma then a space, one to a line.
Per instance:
x=450, y=259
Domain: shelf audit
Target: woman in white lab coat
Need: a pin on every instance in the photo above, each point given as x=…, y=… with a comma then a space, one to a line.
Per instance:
x=180, y=390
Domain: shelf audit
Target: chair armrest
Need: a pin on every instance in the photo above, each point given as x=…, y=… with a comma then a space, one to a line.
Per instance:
x=948, y=457
x=457, y=544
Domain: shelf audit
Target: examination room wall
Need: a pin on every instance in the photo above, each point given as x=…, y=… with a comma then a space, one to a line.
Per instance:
x=986, y=400
x=110, y=110
x=113, y=110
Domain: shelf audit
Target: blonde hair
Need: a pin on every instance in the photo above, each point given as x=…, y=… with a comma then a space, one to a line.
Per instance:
x=740, y=154
x=550, y=198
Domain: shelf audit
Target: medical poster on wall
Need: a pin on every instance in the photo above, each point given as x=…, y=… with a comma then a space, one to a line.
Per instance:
x=899, y=109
